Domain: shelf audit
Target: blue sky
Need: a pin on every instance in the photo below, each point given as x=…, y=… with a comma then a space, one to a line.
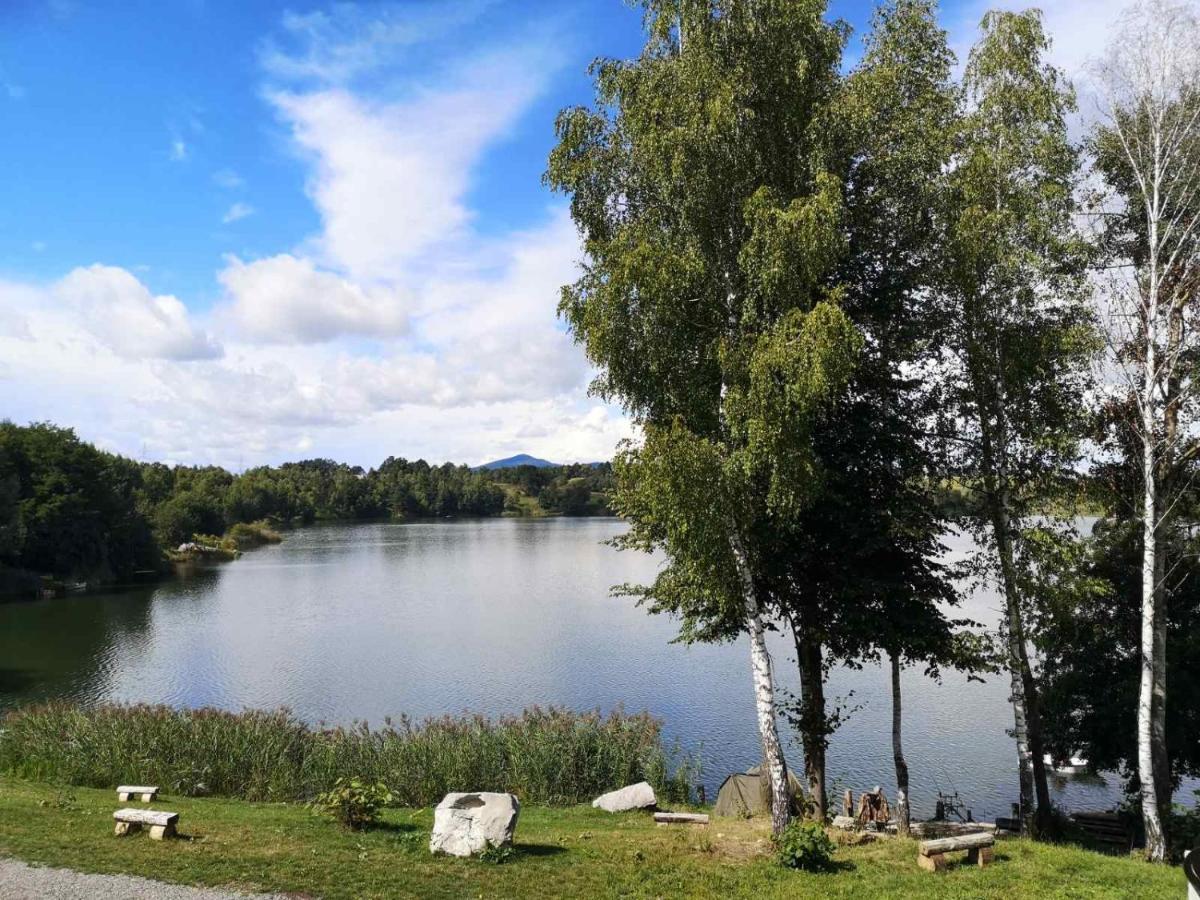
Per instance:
x=248, y=232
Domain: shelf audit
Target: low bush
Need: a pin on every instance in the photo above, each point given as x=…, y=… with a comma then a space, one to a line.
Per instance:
x=247, y=535
x=805, y=845
x=544, y=756
x=353, y=803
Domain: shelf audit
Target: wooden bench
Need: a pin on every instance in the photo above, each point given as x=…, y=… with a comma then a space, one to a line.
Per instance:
x=127, y=792
x=162, y=824
x=1105, y=828
x=670, y=818
x=932, y=854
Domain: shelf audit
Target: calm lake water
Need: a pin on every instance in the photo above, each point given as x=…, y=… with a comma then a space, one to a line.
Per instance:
x=346, y=622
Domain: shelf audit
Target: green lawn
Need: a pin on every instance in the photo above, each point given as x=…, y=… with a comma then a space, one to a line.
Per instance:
x=576, y=852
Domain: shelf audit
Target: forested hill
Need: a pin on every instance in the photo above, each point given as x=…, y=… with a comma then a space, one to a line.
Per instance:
x=71, y=511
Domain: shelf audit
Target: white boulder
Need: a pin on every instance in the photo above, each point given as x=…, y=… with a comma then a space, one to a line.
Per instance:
x=634, y=796
x=469, y=823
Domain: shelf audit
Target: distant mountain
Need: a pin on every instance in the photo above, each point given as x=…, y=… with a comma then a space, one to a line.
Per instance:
x=521, y=459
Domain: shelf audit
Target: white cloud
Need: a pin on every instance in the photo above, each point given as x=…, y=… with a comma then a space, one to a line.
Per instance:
x=285, y=299
x=335, y=46
x=179, y=150
x=122, y=313
x=397, y=328
x=61, y=359
x=236, y=212
x=390, y=178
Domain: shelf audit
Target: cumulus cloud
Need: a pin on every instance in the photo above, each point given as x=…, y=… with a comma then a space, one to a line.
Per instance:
x=399, y=327
x=258, y=403
x=121, y=313
x=390, y=178
x=286, y=299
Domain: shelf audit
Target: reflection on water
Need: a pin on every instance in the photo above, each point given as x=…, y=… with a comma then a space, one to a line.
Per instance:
x=346, y=622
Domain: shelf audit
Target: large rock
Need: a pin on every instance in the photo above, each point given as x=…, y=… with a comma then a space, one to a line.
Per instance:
x=465, y=824
x=634, y=796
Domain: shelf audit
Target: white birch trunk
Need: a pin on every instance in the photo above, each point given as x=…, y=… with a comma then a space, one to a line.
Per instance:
x=902, y=813
x=1155, y=840
x=1151, y=77
x=764, y=693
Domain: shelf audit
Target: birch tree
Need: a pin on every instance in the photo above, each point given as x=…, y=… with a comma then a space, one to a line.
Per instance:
x=902, y=104
x=1148, y=152
x=855, y=574
x=1017, y=336
x=711, y=226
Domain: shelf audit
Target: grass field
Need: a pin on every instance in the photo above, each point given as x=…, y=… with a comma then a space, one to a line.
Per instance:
x=571, y=852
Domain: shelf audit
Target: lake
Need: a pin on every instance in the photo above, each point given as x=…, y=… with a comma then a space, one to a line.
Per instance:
x=362, y=621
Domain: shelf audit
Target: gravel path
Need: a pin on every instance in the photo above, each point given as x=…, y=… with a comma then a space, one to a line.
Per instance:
x=19, y=881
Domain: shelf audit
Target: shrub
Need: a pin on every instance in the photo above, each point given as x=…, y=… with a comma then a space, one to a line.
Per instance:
x=353, y=803
x=805, y=845
x=1183, y=827
x=497, y=855
x=247, y=535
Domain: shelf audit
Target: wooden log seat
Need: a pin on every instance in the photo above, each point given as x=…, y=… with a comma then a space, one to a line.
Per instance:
x=670, y=818
x=127, y=792
x=162, y=824
x=931, y=855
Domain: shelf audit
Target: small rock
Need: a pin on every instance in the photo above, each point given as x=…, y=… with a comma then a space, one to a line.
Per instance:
x=469, y=823
x=846, y=823
x=634, y=796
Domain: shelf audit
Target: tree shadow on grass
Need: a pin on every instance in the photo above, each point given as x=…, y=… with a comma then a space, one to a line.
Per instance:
x=404, y=828
x=539, y=849
x=835, y=867
x=963, y=863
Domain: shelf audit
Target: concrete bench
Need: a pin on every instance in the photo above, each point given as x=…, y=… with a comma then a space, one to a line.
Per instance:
x=162, y=824
x=127, y=792
x=932, y=854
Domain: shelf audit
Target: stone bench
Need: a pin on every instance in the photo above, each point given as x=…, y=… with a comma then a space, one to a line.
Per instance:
x=162, y=824
x=127, y=792
x=931, y=855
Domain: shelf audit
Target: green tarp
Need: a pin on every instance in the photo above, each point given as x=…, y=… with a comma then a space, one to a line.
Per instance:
x=748, y=794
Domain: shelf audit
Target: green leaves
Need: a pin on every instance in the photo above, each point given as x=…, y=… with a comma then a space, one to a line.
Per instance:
x=355, y=804
x=791, y=248
x=794, y=369
x=1013, y=277
x=713, y=225
x=805, y=845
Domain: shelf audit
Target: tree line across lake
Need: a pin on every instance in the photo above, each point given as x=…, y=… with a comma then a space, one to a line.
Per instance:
x=74, y=512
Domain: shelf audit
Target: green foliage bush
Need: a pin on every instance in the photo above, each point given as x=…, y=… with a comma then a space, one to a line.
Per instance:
x=544, y=756
x=354, y=803
x=246, y=535
x=804, y=845
x=1183, y=827
x=496, y=855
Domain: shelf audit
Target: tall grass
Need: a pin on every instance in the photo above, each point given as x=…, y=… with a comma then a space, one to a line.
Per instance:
x=544, y=756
